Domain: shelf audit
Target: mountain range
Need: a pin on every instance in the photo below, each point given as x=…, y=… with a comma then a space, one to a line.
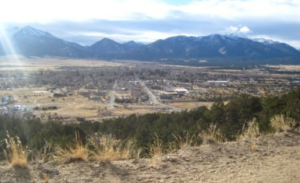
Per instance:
x=29, y=41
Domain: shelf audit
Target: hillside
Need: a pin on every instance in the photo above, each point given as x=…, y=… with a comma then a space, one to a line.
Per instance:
x=249, y=139
x=275, y=158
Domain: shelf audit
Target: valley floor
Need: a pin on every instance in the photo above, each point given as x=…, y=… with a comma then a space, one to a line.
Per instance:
x=270, y=159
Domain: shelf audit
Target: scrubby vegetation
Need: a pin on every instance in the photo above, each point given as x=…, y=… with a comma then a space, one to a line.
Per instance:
x=73, y=152
x=15, y=154
x=158, y=133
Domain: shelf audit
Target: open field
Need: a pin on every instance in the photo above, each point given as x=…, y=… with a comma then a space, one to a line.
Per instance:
x=36, y=64
x=190, y=105
x=285, y=67
x=133, y=109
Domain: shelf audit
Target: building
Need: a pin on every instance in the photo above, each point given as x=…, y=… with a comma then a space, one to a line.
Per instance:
x=218, y=83
x=181, y=91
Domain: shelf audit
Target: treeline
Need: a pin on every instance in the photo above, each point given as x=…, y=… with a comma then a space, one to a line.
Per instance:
x=230, y=119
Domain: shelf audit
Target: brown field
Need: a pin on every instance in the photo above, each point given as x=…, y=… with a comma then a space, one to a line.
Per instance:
x=35, y=64
x=230, y=70
x=72, y=106
x=285, y=67
x=190, y=105
x=133, y=109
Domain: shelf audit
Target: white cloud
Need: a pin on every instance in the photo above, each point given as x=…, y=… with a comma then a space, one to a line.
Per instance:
x=244, y=30
x=232, y=29
x=44, y=11
x=140, y=36
x=237, y=30
x=216, y=13
x=237, y=9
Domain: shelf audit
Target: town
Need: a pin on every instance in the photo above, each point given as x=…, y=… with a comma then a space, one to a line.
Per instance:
x=74, y=93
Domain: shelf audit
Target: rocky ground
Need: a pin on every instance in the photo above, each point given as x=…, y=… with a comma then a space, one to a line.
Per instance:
x=268, y=159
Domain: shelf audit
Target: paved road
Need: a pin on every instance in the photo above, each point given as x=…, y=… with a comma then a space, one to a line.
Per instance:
x=151, y=96
x=113, y=96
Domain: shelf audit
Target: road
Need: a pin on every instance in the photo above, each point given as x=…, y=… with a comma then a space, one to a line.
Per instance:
x=112, y=96
x=151, y=96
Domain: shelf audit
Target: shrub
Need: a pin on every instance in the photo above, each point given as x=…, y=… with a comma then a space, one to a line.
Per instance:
x=110, y=149
x=156, y=148
x=251, y=132
x=73, y=152
x=281, y=124
x=184, y=141
x=211, y=135
x=15, y=154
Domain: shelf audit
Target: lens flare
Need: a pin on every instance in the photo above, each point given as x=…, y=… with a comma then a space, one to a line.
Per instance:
x=7, y=45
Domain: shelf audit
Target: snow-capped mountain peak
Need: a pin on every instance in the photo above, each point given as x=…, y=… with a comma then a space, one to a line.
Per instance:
x=264, y=41
x=30, y=31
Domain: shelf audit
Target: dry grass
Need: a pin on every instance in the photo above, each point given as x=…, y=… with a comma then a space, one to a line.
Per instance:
x=212, y=135
x=110, y=149
x=45, y=177
x=185, y=141
x=43, y=155
x=282, y=124
x=15, y=154
x=73, y=152
x=253, y=146
x=251, y=132
x=156, y=150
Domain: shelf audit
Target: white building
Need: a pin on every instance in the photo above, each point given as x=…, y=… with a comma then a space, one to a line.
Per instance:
x=181, y=91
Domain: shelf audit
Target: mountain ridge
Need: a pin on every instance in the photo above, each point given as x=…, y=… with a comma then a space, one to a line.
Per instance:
x=29, y=41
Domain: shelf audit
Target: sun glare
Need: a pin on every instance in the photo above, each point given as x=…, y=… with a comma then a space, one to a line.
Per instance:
x=8, y=47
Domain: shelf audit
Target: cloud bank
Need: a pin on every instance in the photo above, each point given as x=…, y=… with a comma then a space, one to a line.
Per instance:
x=147, y=20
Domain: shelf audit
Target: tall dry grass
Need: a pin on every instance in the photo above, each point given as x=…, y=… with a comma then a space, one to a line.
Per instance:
x=71, y=153
x=184, y=141
x=110, y=149
x=282, y=124
x=250, y=132
x=156, y=149
x=43, y=155
x=16, y=155
x=212, y=135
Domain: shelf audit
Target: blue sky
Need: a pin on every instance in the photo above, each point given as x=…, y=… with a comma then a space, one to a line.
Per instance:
x=88, y=21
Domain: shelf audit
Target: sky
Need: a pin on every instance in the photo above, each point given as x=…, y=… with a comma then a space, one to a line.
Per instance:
x=88, y=21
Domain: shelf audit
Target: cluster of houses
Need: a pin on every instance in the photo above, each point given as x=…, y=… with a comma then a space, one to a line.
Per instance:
x=8, y=108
